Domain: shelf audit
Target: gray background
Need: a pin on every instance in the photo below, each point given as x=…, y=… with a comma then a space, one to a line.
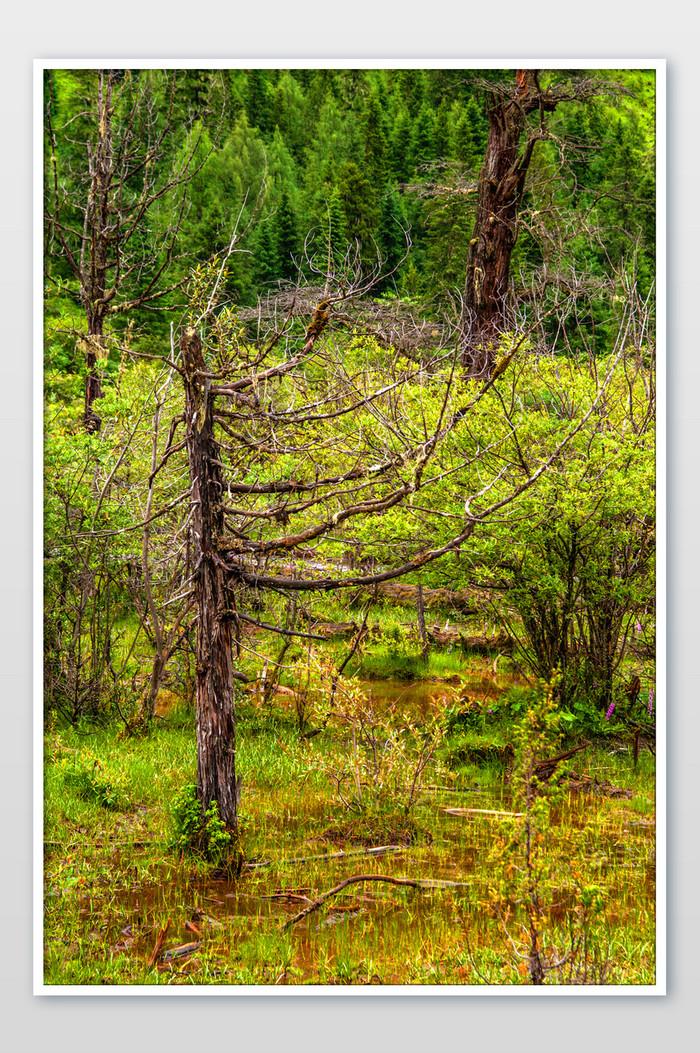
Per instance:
x=441, y=29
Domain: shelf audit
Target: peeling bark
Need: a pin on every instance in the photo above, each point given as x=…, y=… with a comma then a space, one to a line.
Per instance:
x=216, y=718
x=500, y=192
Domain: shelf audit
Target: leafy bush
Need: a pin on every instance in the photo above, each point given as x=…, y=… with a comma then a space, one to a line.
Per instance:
x=380, y=767
x=581, y=716
x=530, y=871
x=194, y=832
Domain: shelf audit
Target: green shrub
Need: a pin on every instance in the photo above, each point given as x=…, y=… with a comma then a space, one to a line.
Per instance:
x=193, y=832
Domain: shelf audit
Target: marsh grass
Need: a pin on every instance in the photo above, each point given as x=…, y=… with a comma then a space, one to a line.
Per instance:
x=112, y=883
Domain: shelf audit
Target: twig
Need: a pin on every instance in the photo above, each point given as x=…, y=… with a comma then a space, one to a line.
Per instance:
x=159, y=943
x=273, y=628
x=105, y=842
x=344, y=884
x=471, y=959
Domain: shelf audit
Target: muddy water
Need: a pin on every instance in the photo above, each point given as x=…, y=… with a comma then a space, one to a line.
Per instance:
x=365, y=921
x=452, y=868
x=419, y=697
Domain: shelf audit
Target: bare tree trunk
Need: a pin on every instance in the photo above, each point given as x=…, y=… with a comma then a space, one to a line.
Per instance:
x=500, y=192
x=113, y=188
x=93, y=386
x=422, y=631
x=216, y=719
x=98, y=224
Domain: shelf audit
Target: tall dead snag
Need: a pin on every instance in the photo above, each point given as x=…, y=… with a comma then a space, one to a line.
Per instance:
x=517, y=122
x=216, y=719
x=99, y=209
x=500, y=191
x=95, y=293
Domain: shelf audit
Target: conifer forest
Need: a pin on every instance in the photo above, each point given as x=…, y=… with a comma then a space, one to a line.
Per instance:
x=349, y=407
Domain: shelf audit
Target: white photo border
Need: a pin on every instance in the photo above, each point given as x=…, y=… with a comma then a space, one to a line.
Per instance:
x=611, y=63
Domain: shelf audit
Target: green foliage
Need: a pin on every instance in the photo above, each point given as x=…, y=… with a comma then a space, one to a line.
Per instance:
x=359, y=201
x=287, y=238
x=108, y=871
x=193, y=832
x=88, y=781
x=570, y=567
x=378, y=766
x=308, y=126
x=533, y=871
x=567, y=567
x=95, y=632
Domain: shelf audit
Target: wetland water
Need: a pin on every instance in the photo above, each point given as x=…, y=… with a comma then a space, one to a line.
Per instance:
x=236, y=931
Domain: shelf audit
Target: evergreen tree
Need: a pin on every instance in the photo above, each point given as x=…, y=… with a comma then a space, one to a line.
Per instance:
x=360, y=206
x=282, y=169
x=375, y=144
x=230, y=181
x=331, y=242
x=266, y=255
x=423, y=145
x=411, y=86
x=288, y=112
x=441, y=131
x=462, y=137
x=258, y=105
x=478, y=122
x=392, y=238
x=287, y=238
x=402, y=158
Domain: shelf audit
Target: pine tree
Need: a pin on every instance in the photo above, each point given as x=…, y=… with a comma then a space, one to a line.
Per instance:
x=441, y=131
x=287, y=238
x=392, y=239
x=331, y=240
x=423, y=145
x=462, y=137
x=402, y=159
x=375, y=143
x=258, y=100
x=359, y=202
x=288, y=112
x=411, y=85
x=267, y=261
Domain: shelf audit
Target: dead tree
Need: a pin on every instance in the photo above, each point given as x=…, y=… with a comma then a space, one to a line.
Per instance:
x=216, y=720
x=517, y=115
x=96, y=209
x=280, y=470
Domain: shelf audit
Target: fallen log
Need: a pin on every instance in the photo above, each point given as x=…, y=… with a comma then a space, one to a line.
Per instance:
x=482, y=811
x=486, y=644
x=379, y=850
x=180, y=952
x=327, y=630
x=462, y=600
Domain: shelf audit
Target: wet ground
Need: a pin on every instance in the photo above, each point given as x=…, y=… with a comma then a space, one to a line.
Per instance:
x=246, y=919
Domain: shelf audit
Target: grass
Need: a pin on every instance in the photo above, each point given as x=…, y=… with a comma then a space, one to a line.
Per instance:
x=112, y=883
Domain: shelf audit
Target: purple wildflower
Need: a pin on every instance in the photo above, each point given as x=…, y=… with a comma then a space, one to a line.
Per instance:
x=651, y=699
x=610, y=711
x=639, y=626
